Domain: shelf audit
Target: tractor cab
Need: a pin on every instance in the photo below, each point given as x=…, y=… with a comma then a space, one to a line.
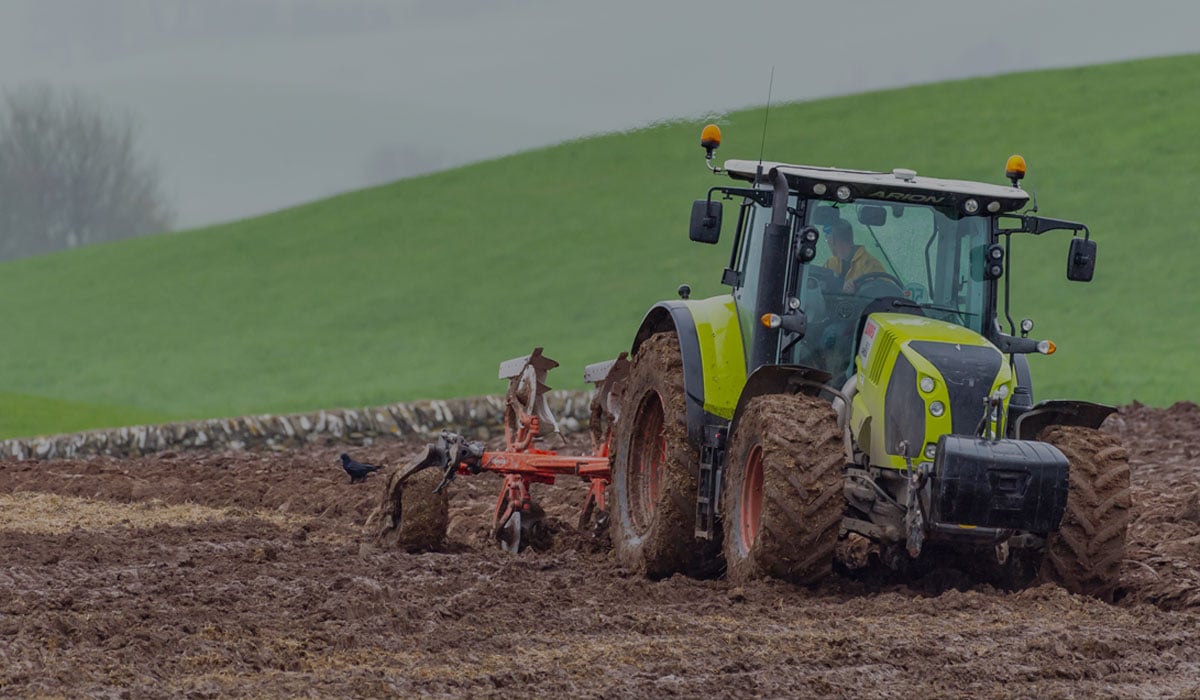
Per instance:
x=859, y=243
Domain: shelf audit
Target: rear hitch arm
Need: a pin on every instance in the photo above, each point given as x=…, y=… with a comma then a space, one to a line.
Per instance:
x=458, y=452
x=450, y=453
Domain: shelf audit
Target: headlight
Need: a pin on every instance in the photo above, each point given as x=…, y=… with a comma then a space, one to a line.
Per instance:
x=937, y=409
x=843, y=193
x=927, y=384
x=971, y=206
x=931, y=451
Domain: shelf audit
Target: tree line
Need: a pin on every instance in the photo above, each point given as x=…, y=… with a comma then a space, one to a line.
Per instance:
x=71, y=174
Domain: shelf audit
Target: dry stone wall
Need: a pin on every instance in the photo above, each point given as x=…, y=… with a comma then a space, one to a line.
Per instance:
x=478, y=418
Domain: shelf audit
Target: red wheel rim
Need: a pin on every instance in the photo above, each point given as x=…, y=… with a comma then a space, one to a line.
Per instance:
x=752, y=498
x=646, y=455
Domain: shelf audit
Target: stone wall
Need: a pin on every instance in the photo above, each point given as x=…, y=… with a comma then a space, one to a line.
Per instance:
x=477, y=418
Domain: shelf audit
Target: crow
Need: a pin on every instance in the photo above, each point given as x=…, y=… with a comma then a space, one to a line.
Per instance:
x=357, y=470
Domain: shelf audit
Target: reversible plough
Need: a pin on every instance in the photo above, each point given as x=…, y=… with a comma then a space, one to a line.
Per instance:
x=522, y=463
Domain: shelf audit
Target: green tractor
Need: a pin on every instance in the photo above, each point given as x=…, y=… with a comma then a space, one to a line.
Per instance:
x=859, y=401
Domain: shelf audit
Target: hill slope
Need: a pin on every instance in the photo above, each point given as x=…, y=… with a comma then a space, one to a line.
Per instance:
x=419, y=288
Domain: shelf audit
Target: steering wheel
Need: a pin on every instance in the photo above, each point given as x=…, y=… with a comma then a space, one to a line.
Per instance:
x=885, y=276
x=842, y=305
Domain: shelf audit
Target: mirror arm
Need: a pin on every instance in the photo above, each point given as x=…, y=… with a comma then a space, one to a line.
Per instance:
x=1014, y=345
x=760, y=197
x=1037, y=225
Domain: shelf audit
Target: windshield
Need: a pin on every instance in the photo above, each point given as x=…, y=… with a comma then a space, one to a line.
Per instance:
x=884, y=256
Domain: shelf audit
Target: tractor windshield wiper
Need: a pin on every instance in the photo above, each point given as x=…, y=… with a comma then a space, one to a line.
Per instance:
x=898, y=302
x=934, y=307
x=948, y=309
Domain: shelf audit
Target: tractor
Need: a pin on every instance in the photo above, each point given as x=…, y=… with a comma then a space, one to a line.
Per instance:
x=865, y=406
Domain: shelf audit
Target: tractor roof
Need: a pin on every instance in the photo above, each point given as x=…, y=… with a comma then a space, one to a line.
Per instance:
x=897, y=186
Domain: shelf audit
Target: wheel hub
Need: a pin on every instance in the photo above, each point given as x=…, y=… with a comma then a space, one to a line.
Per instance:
x=647, y=454
x=751, y=498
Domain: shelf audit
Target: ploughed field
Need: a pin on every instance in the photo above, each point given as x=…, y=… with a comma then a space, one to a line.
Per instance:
x=250, y=574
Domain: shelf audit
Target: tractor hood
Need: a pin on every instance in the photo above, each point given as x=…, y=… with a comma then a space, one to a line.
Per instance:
x=925, y=378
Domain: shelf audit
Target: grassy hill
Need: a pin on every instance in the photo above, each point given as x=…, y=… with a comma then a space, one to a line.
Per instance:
x=419, y=288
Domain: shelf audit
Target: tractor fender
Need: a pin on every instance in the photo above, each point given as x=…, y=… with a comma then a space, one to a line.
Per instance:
x=714, y=359
x=1081, y=413
x=780, y=379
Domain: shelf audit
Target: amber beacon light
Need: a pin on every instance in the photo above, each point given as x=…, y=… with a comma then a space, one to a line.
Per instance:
x=710, y=139
x=1014, y=169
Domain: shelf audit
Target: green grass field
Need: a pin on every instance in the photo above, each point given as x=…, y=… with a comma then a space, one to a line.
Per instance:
x=30, y=415
x=419, y=288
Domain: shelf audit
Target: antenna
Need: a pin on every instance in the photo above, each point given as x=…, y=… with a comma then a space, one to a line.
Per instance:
x=763, y=146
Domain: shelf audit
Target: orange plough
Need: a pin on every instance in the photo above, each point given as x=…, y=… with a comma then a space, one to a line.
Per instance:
x=521, y=462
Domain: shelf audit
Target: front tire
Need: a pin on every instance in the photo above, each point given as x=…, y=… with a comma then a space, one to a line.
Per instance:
x=782, y=502
x=1085, y=555
x=655, y=469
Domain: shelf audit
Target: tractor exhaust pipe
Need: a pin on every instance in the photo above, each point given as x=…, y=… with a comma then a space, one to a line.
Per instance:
x=764, y=348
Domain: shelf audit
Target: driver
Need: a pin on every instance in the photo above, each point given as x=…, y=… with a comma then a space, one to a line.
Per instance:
x=849, y=261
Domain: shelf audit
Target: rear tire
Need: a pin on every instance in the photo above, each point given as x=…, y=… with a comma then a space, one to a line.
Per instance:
x=1085, y=555
x=782, y=502
x=655, y=469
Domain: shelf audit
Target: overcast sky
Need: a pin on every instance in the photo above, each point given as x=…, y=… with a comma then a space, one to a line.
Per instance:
x=252, y=105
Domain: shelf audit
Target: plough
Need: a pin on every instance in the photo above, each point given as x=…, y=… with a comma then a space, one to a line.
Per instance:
x=521, y=462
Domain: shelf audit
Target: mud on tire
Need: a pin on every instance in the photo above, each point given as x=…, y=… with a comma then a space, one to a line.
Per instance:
x=1085, y=555
x=782, y=502
x=655, y=469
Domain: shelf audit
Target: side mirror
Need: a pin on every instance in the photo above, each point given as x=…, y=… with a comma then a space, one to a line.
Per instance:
x=706, y=221
x=1081, y=260
x=872, y=216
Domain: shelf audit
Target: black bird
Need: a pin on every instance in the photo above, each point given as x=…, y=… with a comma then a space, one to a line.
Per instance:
x=357, y=470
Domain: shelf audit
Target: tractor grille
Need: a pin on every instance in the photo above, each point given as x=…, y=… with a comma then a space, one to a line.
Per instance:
x=904, y=410
x=969, y=372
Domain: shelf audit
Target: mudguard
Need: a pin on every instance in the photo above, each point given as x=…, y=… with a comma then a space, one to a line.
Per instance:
x=1081, y=413
x=714, y=359
x=780, y=379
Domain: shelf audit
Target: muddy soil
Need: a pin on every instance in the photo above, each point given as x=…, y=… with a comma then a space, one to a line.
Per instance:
x=250, y=575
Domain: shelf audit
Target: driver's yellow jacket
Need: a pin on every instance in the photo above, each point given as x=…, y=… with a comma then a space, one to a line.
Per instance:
x=861, y=263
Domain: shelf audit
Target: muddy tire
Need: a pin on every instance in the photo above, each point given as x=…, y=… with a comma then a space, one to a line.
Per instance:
x=782, y=502
x=655, y=469
x=410, y=516
x=1085, y=555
